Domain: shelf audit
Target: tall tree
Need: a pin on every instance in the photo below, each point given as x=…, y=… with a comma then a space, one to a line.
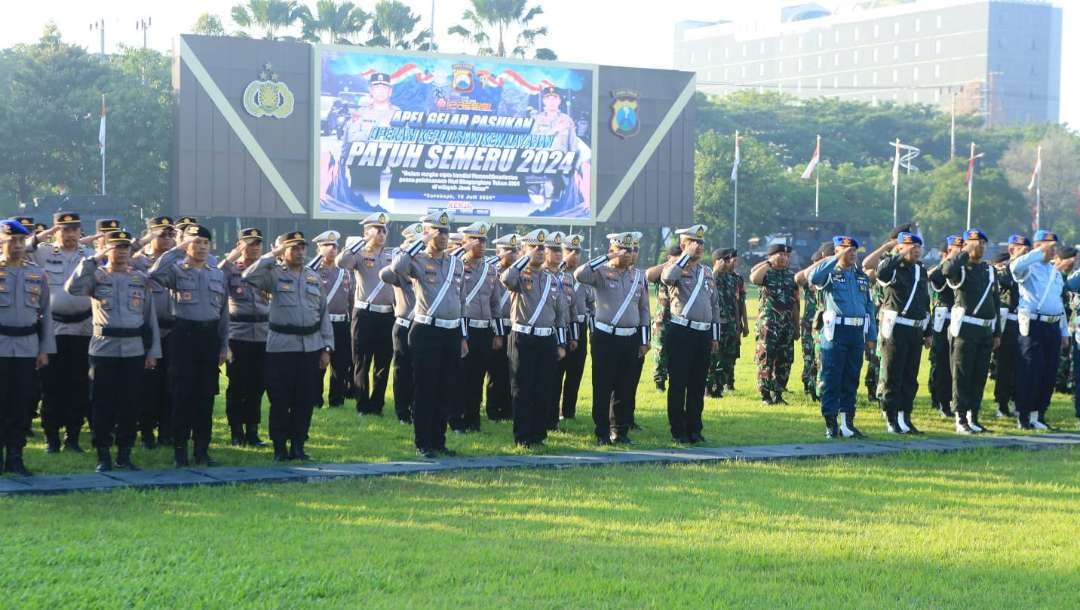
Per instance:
x=392, y=26
x=511, y=23
x=271, y=16
x=208, y=25
x=333, y=22
x=1059, y=183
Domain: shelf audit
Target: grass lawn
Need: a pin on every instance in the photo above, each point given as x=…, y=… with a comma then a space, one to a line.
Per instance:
x=979, y=529
x=339, y=435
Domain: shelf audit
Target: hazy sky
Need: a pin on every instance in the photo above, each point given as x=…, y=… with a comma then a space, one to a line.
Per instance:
x=617, y=32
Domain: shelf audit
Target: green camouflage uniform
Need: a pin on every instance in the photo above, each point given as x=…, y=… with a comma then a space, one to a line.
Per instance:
x=808, y=338
x=729, y=290
x=659, y=332
x=873, y=359
x=775, y=352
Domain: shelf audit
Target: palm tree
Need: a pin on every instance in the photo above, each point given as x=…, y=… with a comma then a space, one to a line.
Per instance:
x=503, y=17
x=269, y=15
x=338, y=20
x=392, y=25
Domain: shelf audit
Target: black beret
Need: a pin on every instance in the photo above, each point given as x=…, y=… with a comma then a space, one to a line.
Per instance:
x=777, y=248
x=1067, y=252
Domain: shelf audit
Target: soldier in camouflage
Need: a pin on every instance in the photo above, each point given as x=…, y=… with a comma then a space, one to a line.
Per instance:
x=777, y=323
x=731, y=297
x=873, y=358
x=808, y=336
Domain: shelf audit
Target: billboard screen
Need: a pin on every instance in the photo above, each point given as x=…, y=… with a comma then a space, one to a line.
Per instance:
x=485, y=138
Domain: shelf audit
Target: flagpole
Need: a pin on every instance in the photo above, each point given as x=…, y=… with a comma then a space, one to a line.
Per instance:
x=1038, y=189
x=896, y=182
x=103, y=149
x=817, y=178
x=735, y=211
x=971, y=181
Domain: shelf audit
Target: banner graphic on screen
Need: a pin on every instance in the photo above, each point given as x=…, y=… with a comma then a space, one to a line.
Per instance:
x=491, y=138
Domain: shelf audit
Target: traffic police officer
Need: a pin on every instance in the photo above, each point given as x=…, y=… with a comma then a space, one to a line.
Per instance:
x=155, y=409
x=659, y=326
x=249, y=317
x=583, y=304
x=538, y=339
x=373, y=319
x=778, y=322
x=26, y=340
x=299, y=344
x=847, y=324
x=564, y=284
x=337, y=284
x=481, y=307
x=404, y=306
x=125, y=342
x=498, y=384
x=200, y=339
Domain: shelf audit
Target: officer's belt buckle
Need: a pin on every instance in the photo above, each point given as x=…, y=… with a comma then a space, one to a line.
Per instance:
x=375, y=308
x=700, y=326
x=615, y=330
x=405, y=322
x=850, y=321
x=479, y=323
x=1045, y=318
x=901, y=320
x=338, y=317
x=978, y=321
x=536, y=331
x=436, y=322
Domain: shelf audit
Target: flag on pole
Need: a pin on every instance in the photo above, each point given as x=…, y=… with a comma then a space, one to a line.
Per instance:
x=1038, y=168
x=735, y=164
x=971, y=165
x=809, y=171
x=101, y=129
x=896, y=165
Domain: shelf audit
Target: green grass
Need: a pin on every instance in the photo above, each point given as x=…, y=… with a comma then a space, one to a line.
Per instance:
x=338, y=435
x=978, y=529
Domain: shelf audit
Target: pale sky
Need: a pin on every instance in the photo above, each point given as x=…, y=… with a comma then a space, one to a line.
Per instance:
x=618, y=32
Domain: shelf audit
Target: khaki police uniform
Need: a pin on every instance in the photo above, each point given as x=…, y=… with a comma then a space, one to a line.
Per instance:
x=498, y=380
x=337, y=284
x=572, y=368
x=404, y=306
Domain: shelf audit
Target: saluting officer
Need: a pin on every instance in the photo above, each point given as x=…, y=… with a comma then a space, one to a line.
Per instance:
x=65, y=382
x=731, y=299
x=498, y=383
x=126, y=342
x=481, y=305
x=620, y=335
x=155, y=409
x=777, y=324
x=373, y=319
x=337, y=283
x=902, y=325
x=635, y=252
x=583, y=306
x=1006, y=353
x=299, y=344
x=404, y=306
x=249, y=317
x=438, y=339
x=693, y=333
x=26, y=340
x=972, y=327
x=564, y=285
x=847, y=325
x=941, y=303
x=537, y=341
x=200, y=339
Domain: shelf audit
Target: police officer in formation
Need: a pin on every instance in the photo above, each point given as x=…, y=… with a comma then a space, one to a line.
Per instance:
x=583, y=305
x=337, y=283
x=479, y=284
x=564, y=283
x=1008, y=348
x=498, y=374
x=731, y=300
x=155, y=408
x=404, y=306
x=778, y=323
x=941, y=303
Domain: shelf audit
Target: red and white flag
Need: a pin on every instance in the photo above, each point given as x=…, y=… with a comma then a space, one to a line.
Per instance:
x=101, y=129
x=971, y=164
x=809, y=171
x=1038, y=169
x=735, y=165
x=896, y=165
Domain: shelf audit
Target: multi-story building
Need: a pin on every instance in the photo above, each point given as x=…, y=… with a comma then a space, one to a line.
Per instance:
x=999, y=58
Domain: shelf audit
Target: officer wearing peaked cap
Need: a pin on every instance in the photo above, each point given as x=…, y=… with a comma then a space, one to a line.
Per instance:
x=498, y=383
x=1003, y=361
x=337, y=284
x=553, y=264
x=26, y=340
x=125, y=342
x=620, y=335
x=639, y=365
x=404, y=304
x=777, y=324
x=941, y=303
x=299, y=344
x=583, y=305
x=537, y=338
x=199, y=341
x=438, y=339
x=373, y=315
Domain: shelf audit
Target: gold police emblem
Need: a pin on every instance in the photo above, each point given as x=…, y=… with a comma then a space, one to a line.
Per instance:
x=268, y=96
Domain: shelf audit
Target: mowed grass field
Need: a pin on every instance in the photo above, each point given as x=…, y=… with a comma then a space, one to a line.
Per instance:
x=739, y=418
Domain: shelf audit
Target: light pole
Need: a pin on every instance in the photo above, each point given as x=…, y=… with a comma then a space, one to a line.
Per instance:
x=144, y=26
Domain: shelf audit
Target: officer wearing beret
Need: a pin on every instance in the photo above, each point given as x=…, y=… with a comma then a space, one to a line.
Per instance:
x=66, y=381
x=498, y=384
x=731, y=298
x=847, y=325
x=438, y=339
x=125, y=342
x=26, y=340
x=337, y=283
x=583, y=305
x=404, y=307
x=299, y=343
x=537, y=340
x=27, y=223
x=373, y=318
x=200, y=339
x=807, y=333
x=941, y=303
x=1004, y=357
x=777, y=324
x=155, y=406
x=973, y=327
x=249, y=317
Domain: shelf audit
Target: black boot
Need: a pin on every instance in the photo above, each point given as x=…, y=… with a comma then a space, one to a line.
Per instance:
x=251, y=437
x=298, y=451
x=891, y=423
x=281, y=452
x=832, y=429
x=973, y=422
x=778, y=399
x=202, y=457
x=14, y=464
x=148, y=440
x=766, y=398
x=180, y=457
x=962, y=426
x=945, y=410
x=123, y=459
x=904, y=417
x=104, y=460
x=71, y=442
x=237, y=436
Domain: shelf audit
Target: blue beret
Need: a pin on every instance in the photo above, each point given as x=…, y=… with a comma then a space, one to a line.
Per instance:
x=903, y=237
x=954, y=240
x=974, y=233
x=842, y=241
x=1044, y=235
x=1019, y=240
x=10, y=226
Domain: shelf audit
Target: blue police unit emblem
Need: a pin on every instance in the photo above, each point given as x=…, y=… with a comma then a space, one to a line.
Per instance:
x=624, y=113
x=268, y=96
x=463, y=78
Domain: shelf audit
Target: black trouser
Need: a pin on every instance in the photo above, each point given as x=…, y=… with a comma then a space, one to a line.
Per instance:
x=115, y=388
x=66, y=386
x=613, y=388
x=688, y=362
x=571, y=368
x=436, y=360
x=471, y=392
x=941, y=383
x=901, y=355
x=155, y=409
x=341, y=363
x=1036, y=368
x=403, y=374
x=193, y=380
x=247, y=382
x=294, y=386
x=970, y=365
x=498, y=384
x=371, y=344
x=532, y=367
x=635, y=373
x=1005, y=357
x=20, y=388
